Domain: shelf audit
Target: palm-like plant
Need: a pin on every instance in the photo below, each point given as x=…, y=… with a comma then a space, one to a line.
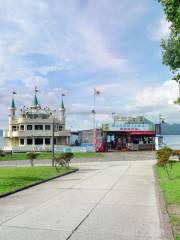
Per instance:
x=31, y=156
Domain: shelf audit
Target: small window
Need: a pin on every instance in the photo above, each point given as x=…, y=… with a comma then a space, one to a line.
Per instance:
x=38, y=127
x=47, y=141
x=22, y=127
x=21, y=141
x=38, y=141
x=29, y=127
x=60, y=128
x=14, y=128
x=29, y=141
x=47, y=127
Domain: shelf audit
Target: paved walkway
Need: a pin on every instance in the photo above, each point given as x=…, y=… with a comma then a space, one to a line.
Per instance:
x=108, y=201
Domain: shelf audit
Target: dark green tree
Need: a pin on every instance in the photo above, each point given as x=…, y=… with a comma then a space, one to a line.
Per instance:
x=171, y=46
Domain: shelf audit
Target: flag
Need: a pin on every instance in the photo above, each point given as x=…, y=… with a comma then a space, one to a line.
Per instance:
x=63, y=95
x=14, y=92
x=96, y=92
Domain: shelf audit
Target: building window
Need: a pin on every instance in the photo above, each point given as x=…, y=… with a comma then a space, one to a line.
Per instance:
x=60, y=128
x=29, y=127
x=14, y=128
x=22, y=127
x=38, y=127
x=47, y=141
x=21, y=141
x=47, y=127
x=38, y=141
x=29, y=141
x=55, y=141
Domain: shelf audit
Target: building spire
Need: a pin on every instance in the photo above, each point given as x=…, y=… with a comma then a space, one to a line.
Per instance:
x=35, y=101
x=62, y=102
x=13, y=105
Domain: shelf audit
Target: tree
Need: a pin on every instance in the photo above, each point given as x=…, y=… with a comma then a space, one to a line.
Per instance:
x=31, y=156
x=171, y=46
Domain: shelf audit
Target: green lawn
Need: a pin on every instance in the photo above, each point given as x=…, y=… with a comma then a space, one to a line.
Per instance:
x=171, y=191
x=48, y=155
x=13, y=178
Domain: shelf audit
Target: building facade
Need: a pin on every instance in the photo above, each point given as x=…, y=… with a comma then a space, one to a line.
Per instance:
x=35, y=128
x=124, y=134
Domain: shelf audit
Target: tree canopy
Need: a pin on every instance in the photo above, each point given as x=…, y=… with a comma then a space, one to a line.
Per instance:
x=171, y=46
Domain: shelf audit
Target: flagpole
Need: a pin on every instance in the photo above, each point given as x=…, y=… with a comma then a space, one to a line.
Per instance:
x=94, y=120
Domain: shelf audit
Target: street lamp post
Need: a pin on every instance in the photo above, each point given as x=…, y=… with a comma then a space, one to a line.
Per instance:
x=53, y=143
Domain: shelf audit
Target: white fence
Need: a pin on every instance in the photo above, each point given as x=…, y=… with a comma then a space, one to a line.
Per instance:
x=47, y=149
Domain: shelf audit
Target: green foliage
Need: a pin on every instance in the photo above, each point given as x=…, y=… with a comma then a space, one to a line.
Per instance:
x=171, y=46
x=172, y=11
x=63, y=159
x=163, y=156
x=171, y=53
x=31, y=156
x=2, y=153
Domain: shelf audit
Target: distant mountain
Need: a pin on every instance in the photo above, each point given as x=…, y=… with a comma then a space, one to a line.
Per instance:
x=1, y=132
x=171, y=129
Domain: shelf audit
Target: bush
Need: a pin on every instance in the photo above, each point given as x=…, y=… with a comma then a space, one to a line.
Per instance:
x=163, y=156
x=2, y=153
x=31, y=156
x=63, y=159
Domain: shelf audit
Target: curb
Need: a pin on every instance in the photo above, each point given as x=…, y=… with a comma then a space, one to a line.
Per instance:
x=166, y=228
x=37, y=183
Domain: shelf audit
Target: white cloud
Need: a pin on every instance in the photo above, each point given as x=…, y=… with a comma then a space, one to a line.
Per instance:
x=162, y=95
x=160, y=30
x=153, y=101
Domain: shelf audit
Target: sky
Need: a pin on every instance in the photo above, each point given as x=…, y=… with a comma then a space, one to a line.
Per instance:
x=74, y=46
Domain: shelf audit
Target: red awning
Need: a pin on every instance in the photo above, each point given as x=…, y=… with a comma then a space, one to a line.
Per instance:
x=143, y=133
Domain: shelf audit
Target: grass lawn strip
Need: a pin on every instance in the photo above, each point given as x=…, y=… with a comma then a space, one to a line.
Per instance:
x=171, y=192
x=48, y=155
x=15, y=178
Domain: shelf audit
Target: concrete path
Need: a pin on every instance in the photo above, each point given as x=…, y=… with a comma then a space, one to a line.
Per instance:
x=108, y=201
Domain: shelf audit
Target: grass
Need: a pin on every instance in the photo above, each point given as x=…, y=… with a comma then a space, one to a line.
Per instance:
x=48, y=155
x=171, y=190
x=15, y=178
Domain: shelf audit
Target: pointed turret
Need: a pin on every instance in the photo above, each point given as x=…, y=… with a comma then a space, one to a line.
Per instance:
x=36, y=104
x=13, y=104
x=35, y=101
x=62, y=104
x=12, y=108
x=62, y=110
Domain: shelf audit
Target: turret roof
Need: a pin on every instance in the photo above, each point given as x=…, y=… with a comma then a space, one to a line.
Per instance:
x=35, y=101
x=13, y=103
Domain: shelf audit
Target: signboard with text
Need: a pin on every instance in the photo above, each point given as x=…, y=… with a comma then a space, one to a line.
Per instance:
x=128, y=127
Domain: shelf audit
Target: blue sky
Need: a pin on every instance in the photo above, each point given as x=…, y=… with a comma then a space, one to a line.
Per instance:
x=76, y=45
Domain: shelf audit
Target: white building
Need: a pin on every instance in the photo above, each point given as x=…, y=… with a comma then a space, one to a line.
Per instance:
x=32, y=130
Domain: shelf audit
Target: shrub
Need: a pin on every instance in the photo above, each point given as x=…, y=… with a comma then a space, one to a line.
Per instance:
x=63, y=159
x=2, y=153
x=31, y=156
x=163, y=156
